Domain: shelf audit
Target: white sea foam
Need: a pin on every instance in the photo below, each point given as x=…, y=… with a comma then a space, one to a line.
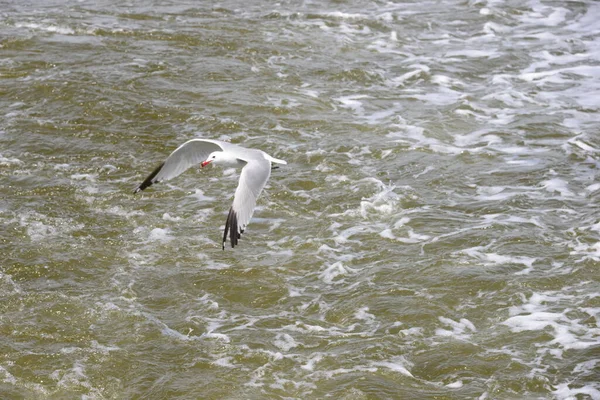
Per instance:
x=334, y=271
x=7, y=376
x=352, y=102
x=563, y=391
x=12, y=285
x=460, y=330
x=382, y=202
x=312, y=361
x=199, y=194
x=379, y=117
x=417, y=139
x=77, y=378
x=397, y=366
x=102, y=349
x=546, y=16
x=542, y=311
x=215, y=335
x=160, y=235
x=63, y=30
x=284, y=342
x=455, y=385
x=412, y=237
x=169, y=332
x=444, y=96
x=40, y=227
x=410, y=75
x=343, y=371
x=169, y=217
x=9, y=161
x=471, y=53
x=87, y=177
x=363, y=314
x=492, y=28
x=558, y=185
x=344, y=15
x=495, y=193
x=224, y=362
x=120, y=211
x=208, y=302
x=209, y=263
x=489, y=258
x=587, y=251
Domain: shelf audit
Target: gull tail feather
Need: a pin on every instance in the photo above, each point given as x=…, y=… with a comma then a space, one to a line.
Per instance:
x=275, y=160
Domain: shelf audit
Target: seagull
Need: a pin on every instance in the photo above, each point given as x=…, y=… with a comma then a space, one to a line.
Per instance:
x=256, y=169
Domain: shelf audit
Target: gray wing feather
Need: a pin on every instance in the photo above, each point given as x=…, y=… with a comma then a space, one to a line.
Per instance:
x=188, y=154
x=253, y=179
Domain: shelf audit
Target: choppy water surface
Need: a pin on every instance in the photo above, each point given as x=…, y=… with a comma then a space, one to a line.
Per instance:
x=434, y=234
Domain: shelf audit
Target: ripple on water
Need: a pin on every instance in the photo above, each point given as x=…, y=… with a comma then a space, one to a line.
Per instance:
x=435, y=232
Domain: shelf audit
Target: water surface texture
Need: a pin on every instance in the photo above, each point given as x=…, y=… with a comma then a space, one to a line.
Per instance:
x=435, y=233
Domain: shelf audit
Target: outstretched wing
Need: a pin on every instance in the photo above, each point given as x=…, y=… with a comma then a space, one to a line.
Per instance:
x=253, y=179
x=190, y=153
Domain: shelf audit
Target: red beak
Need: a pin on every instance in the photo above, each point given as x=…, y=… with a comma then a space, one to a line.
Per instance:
x=204, y=163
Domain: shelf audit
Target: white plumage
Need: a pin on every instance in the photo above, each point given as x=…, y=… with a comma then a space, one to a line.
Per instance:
x=256, y=169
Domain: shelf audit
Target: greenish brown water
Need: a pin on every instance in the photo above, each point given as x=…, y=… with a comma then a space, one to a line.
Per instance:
x=435, y=233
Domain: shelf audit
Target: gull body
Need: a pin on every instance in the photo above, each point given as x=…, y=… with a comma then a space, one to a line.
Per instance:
x=256, y=169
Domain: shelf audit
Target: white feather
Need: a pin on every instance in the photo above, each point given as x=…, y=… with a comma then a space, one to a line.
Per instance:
x=253, y=178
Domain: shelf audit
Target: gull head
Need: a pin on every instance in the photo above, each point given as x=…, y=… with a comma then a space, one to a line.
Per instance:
x=215, y=157
x=220, y=157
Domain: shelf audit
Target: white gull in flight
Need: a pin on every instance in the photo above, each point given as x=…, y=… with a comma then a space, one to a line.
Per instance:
x=256, y=169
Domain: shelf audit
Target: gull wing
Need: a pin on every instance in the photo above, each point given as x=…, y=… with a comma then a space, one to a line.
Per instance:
x=188, y=154
x=253, y=179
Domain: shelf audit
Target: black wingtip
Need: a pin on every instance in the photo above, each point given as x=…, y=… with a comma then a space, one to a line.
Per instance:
x=235, y=234
x=150, y=179
x=231, y=227
x=227, y=223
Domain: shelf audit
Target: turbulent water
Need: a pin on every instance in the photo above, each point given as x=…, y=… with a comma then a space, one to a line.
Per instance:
x=435, y=233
